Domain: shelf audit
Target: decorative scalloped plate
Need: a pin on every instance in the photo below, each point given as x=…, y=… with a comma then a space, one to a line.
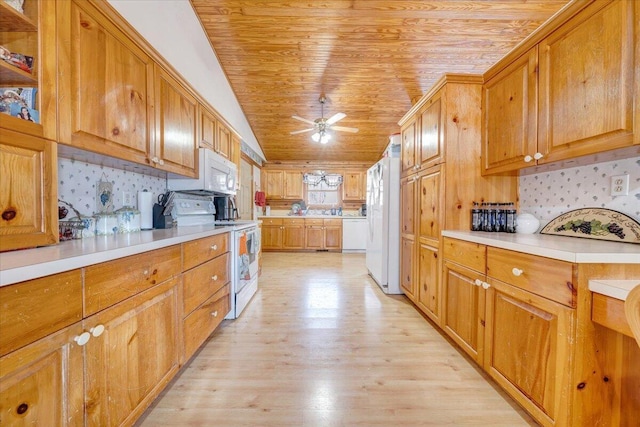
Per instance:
x=595, y=223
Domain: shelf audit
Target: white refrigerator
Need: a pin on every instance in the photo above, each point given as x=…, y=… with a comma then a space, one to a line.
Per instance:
x=383, y=224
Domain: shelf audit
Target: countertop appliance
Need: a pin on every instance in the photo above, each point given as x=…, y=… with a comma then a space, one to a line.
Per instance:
x=217, y=176
x=226, y=209
x=383, y=220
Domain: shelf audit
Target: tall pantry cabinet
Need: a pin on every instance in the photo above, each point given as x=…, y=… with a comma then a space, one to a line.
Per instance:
x=440, y=181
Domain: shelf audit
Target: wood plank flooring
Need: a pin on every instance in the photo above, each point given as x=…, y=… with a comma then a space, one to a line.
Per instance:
x=321, y=345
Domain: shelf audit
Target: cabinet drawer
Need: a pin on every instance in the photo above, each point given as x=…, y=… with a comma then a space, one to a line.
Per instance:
x=204, y=320
x=333, y=222
x=468, y=254
x=546, y=277
x=198, y=251
x=313, y=221
x=609, y=312
x=204, y=280
x=272, y=221
x=294, y=221
x=34, y=309
x=111, y=282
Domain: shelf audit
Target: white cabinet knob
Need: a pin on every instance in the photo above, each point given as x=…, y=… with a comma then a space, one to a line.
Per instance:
x=538, y=156
x=416, y=167
x=154, y=159
x=215, y=313
x=478, y=282
x=146, y=272
x=485, y=285
x=214, y=277
x=82, y=339
x=214, y=247
x=516, y=271
x=161, y=162
x=527, y=158
x=96, y=331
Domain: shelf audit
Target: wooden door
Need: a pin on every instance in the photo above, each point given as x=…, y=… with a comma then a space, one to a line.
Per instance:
x=293, y=185
x=107, y=82
x=586, y=81
x=430, y=150
x=131, y=362
x=42, y=384
x=428, y=281
x=293, y=234
x=274, y=183
x=223, y=146
x=407, y=264
x=353, y=188
x=430, y=203
x=463, y=308
x=408, y=194
x=314, y=235
x=510, y=115
x=333, y=234
x=408, y=136
x=28, y=191
x=272, y=237
x=175, y=146
x=207, y=128
x=527, y=346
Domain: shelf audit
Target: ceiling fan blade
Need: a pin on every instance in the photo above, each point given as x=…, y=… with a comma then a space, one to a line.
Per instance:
x=344, y=129
x=302, y=119
x=335, y=118
x=295, y=132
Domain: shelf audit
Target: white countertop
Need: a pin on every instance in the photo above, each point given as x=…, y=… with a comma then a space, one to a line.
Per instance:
x=27, y=264
x=571, y=249
x=314, y=216
x=618, y=289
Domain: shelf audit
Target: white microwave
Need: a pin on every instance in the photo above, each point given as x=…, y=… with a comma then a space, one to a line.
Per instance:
x=216, y=175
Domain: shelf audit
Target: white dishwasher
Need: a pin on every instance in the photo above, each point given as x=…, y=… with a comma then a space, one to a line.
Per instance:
x=354, y=234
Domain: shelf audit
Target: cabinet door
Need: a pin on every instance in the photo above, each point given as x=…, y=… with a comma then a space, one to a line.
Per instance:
x=430, y=206
x=509, y=124
x=428, y=281
x=293, y=234
x=527, y=348
x=408, y=136
x=274, y=184
x=131, y=362
x=175, y=146
x=353, y=186
x=314, y=236
x=293, y=185
x=236, y=150
x=28, y=207
x=42, y=384
x=271, y=237
x=431, y=147
x=333, y=234
x=107, y=82
x=207, y=126
x=407, y=271
x=408, y=196
x=223, y=145
x=586, y=80
x=463, y=308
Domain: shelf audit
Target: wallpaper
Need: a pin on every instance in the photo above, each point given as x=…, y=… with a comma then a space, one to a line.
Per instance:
x=77, y=184
x=549, y=194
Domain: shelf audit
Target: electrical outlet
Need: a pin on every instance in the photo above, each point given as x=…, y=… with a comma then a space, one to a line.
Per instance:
x=127, y=199
x=620, y=185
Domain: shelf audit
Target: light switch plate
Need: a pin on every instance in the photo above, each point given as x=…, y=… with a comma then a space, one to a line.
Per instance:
x=127, y=199
x=620, y=185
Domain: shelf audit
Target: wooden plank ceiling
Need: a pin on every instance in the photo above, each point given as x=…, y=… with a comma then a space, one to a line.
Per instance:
x=369, y=58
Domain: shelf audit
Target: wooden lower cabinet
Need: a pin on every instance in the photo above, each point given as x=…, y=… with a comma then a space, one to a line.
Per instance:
x=528, y=350
x=129, y=364
x=293, y=236
x=272, y=230
x=199, y=324
x=428, y=281
x=300, y=234
x=323, y=234
x=42, y=384
x=407, y=274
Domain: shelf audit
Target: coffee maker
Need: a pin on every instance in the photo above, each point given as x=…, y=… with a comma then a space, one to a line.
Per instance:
x=225, y=208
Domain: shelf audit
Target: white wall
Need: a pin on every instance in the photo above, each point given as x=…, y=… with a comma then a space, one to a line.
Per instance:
x=173, y=29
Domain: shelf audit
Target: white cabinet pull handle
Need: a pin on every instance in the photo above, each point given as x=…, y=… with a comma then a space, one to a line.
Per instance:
x=96, y=331
x=527, y=158
x=215, y=313
x=214, y=247
x=516, y=271
x=214, y=277
x=538, y=156
x=485, y=285
x=83, y=338
x=478, y=282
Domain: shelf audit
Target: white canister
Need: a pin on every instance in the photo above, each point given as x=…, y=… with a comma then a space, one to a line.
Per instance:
x=527, y=223
x=88, y=226
x=267, y=210
x=106, y=224
x=128, y=220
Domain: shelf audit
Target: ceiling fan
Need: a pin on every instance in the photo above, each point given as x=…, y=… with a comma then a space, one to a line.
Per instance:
x=321, y=126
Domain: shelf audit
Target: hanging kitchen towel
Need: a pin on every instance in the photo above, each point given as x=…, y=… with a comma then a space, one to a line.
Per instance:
x=261, y=198
x=242, y=243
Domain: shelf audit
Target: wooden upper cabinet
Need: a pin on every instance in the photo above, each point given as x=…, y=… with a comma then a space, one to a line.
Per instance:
x=510, y=115
x=292, y=185
x=408, y=136
x=236, y=150
x=274, y=183
x=431, y=142
x=354, y=186
x=28, y=191
x=207, y=126
x=587, y=83
x=106, y=82
x=175, y=139
x=223, y=146
x=31, y=33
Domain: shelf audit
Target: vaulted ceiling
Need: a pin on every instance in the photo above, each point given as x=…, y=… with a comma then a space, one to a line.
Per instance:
x=369, y=58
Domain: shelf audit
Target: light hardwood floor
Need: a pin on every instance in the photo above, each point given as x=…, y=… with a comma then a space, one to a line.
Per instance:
x=321, y=345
